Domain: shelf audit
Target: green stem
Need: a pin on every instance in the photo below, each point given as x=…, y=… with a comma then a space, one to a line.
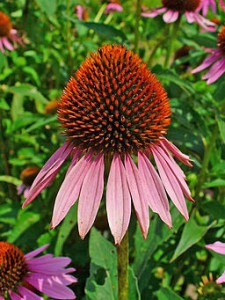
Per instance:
x=208, y=149
x=122, y=267
x=69, y=35
x=100, y=13
x=172, y=37
x=138, y=16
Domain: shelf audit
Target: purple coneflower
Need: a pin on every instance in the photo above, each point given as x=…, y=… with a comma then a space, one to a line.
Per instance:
x=172, y=9
x=219, y=248
x=115, y=112
x=206, y=4
x=112, y=6
x=26, y=276
x=7, y=33
x=216, y=60
x=81, y=12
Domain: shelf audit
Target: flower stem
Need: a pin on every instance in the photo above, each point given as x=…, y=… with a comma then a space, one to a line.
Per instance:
x=122, y=267
x=172, y=37
x=138, y=16
x=208, y=149
x=69, y=35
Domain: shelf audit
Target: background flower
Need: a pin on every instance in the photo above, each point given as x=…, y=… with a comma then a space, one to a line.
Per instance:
x=216, y=60
x=218, y=247
x=24, y=276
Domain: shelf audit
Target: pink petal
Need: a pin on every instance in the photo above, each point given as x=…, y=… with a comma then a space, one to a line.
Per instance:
x=208, y=61
x=91, y=195
x=27, y=294
x=153, y=13
x=138, y=192
x=15, y=296
x=178, y=173
x=50, y=287
x=171, y=184
x=221, y=279
x=7, y=44
x=170, y=16
x=1, y=46
x=218, y=247
x=48, y=172
x=222, y=4
x=217, y=70
x=190, y=17
x=111, y=7
x=156, y=194
x=118, y=200
x=36, y=252
x=70, y=188
x=80, y=10
x=175, y=151
x=204, y=23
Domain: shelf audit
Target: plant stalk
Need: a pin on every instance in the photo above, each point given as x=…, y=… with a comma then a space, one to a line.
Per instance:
x=137, y=34
x=122, y=267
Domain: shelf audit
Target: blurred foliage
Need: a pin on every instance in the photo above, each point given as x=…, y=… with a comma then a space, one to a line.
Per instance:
x=170, y=263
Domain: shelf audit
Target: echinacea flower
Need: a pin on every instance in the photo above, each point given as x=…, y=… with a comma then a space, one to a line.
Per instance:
x=7, y=33
x=27, y=176
x=206, y=4
x=218, y=247
x=25, y=276
x=112, y=6
x=81, y=12
x=173, y=9
x=114, y=112
x=216, y=60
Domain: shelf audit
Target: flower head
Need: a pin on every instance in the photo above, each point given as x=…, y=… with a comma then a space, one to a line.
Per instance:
x=81, y=12
x=216, y=60
x=218, y=247
x=112, y=110
x=112, y=6
x=7, y=33
x=25, y=276
x=173, y=9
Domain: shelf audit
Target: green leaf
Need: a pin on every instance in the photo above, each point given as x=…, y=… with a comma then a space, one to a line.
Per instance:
x=133, y=292
x=4, y=105
x=215, y=209
x=221, y=125
x=191, y=235
x=49, y=7
x=24, y=221
x=65, y=229
x=41, y=123
x=167, y=294
x=10, y=179
x=102, y=283
x=215, y=183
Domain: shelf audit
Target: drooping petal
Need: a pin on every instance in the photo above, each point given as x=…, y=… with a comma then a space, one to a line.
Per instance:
x=222, y=4
x=218, y=247
x=208, y=61
x=36, y=252
x=158, y=201
x=190, y=17
x=204, y=23
x=50, y=287
x=27, y=294
x=91, y=195
x=70, y=189
x=1, y=46
x=118, y=200
x=14, y=296
x=185, y=159
x=221, y=279
x=48, y=172
x=170, y=16
x=153, y=12
x=138, y=190
x=171, y=184
x=7, y=44
x=217, y=70
x=178, y=173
